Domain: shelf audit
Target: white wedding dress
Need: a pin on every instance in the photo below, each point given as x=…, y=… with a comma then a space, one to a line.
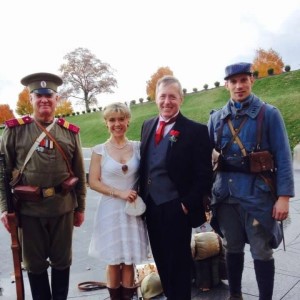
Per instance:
x=117, y=237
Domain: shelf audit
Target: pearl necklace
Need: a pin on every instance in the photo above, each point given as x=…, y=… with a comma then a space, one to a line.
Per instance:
x=118, y=147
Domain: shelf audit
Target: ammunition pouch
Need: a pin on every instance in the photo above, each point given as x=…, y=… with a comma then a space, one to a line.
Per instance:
x=261, y=161
x=255, y=162
x=69, y=184
x=27, y=192
x=35, y=193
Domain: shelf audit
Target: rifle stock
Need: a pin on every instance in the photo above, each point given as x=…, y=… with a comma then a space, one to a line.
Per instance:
x=13, y=225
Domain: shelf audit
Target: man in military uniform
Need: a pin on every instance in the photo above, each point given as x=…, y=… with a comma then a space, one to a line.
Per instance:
x=252, y=141
x=53, y=171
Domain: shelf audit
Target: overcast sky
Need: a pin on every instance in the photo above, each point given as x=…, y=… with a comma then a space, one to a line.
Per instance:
x=195, y=39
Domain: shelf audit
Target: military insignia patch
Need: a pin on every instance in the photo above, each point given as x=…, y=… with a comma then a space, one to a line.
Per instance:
x=64, y=123
x=17, y=122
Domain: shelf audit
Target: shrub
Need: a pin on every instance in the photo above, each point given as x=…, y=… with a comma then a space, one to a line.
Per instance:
x=255, y=74
x=83, y=111
x=78, y=113
x=287, y=68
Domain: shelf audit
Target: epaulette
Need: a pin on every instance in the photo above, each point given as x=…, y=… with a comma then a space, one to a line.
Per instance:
x=19, y=121
x=64, y=123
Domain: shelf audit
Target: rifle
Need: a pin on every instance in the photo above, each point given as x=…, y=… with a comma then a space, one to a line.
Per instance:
x=13, y=224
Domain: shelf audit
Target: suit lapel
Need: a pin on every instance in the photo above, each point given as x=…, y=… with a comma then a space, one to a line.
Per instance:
x=149, y=128
x=179, y=126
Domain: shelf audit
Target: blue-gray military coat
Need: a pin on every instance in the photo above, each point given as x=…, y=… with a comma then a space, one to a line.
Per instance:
x=249, y=189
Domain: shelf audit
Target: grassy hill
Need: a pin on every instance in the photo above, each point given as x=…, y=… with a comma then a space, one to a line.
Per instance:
x=283, y=91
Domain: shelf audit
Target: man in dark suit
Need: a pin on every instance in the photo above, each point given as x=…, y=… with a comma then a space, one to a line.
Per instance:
x=175, y=177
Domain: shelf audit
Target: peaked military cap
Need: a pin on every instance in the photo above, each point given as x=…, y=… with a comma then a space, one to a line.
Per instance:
x=42, y=83
x=238, y=68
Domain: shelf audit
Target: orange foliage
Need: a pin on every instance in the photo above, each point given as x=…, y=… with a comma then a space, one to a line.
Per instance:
x=265, y=60
x=24, y=106
x=5, y=113
x=64, y=107
x=151, y=84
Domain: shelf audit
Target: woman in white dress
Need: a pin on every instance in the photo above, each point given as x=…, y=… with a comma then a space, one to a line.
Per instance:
x=118, y=239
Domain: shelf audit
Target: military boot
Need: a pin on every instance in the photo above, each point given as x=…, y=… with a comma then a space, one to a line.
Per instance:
x=235, y=267
x=265, y=271
x=60, y=283
x=39, y=285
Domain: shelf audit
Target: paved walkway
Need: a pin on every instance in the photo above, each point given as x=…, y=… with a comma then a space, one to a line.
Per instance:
x=85, y=268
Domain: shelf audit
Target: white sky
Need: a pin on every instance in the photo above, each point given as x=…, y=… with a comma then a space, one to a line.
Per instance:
x=195, y=39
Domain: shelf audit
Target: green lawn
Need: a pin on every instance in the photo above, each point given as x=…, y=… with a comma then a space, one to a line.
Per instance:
x=283, y=91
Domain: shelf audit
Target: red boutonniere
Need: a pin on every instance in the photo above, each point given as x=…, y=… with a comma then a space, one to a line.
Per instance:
x=174, y=135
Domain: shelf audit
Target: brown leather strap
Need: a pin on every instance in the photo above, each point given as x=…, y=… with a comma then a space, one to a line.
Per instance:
x=57, y=145
x=260, y=118
x=91, y=285
x=235, y=135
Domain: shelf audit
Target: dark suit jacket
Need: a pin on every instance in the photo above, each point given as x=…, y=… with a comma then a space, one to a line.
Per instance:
x=188, y=164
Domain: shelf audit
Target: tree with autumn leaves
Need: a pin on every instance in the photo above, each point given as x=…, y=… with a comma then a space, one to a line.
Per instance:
x=151, y=84
x=64, y=108
x=5, y=113
x=266, y=60
x=24, y=107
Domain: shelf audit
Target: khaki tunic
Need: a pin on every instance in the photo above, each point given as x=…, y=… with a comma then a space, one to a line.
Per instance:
x=47, y=224
x=45, y=168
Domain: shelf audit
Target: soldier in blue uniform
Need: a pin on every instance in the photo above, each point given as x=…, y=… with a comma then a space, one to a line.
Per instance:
x=253, y=156
x=53, y=169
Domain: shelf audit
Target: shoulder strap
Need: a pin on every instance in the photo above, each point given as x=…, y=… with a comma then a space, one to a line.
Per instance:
x=17, y=178
x=234, y=132
x=235, y=136
x=57, y=145
x=260, y=118
x=33, y=147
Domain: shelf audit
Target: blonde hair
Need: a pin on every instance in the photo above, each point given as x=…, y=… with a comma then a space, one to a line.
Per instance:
x=116, y=107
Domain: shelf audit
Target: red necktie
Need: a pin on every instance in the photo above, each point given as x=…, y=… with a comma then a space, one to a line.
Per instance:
x=159, y=134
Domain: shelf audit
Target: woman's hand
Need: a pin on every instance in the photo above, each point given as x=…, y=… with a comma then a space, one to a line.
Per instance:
x=128, y=195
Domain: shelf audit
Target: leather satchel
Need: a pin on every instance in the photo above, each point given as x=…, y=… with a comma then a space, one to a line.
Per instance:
x=261, y=161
